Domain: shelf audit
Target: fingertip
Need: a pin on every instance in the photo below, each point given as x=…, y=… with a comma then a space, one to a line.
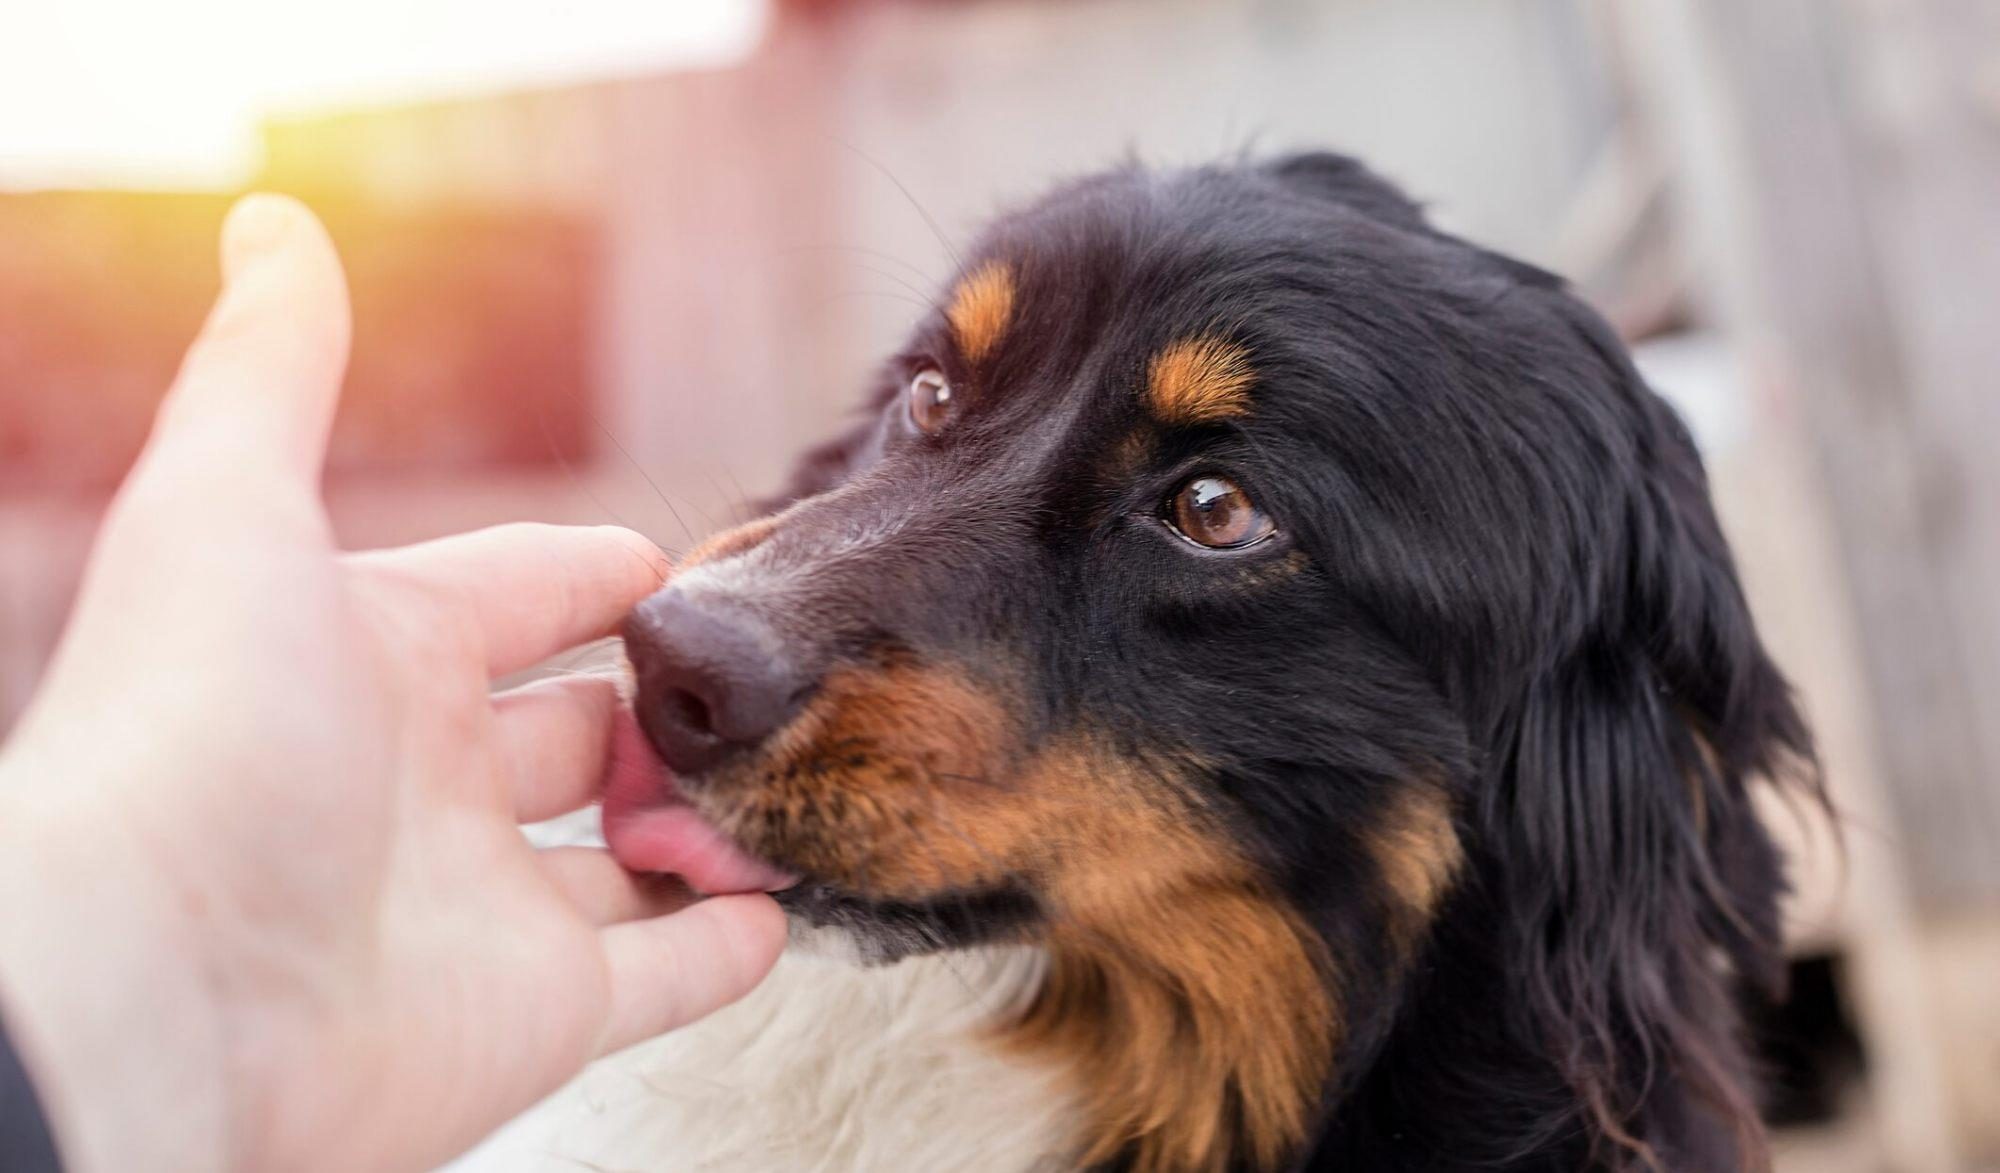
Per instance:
x=759, y=928
x=283, y=282
x=262, y=224
x=668, y=972
x=746, y=933
x=657, y=564
x=555, y=736
x=606, y=894
x=248, y=414
x=534, y=589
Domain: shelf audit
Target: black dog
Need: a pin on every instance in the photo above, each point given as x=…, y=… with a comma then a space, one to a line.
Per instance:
x=1308, y=630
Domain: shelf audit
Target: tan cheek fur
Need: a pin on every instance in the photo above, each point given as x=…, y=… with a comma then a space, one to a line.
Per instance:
x=1186, y=1006
x=1417, y=849
x=1190, y=1008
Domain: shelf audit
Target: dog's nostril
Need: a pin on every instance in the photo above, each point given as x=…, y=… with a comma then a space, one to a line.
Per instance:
x=692, y=710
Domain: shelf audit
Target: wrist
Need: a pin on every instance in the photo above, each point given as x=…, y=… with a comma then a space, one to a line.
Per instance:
x=106, y=1000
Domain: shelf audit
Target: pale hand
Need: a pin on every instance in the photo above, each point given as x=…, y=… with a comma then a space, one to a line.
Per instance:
x=263, y=899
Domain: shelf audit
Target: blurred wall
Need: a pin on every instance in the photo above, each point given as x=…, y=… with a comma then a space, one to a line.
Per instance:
x=635, y=300
x=769, y=231
x=899, y=128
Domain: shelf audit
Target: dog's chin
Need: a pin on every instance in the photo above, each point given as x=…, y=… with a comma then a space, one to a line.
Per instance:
x=827, y=921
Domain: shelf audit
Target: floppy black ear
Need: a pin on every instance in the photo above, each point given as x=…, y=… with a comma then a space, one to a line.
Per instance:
x=1638, y=879
x=1347, y=181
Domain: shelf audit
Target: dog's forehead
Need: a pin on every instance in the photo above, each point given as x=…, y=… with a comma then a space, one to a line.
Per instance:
x=1158, y=329
x=1187, y=299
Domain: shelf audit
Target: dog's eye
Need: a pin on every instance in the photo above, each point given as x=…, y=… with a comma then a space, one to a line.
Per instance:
x=930, y=399
x=1216, y=512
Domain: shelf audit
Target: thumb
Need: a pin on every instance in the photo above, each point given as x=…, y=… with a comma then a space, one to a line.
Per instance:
x=257, y=390
x=671, y=970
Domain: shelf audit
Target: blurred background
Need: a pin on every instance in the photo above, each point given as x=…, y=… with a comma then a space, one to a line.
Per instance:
x=622, y=263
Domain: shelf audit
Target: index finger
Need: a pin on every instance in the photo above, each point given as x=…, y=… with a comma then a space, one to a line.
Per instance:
x=532, y=590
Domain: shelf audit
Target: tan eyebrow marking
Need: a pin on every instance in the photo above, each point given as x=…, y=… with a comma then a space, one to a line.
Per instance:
x=1200, y=381
x=981, y=307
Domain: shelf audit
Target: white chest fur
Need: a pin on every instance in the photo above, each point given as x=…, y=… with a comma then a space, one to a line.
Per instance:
x=827, y=1066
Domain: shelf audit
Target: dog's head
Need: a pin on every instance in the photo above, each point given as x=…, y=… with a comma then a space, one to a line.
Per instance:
x=1232, y=581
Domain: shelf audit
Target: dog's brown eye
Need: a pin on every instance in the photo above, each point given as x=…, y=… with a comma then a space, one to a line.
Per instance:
x=930, y=399
x=1216, y=512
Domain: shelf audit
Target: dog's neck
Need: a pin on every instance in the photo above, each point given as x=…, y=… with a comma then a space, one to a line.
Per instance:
x=827, y=1065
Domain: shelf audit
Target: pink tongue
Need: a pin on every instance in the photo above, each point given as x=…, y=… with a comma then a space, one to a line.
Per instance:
x=651, y=828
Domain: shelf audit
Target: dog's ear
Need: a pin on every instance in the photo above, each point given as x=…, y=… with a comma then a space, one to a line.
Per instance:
x=1634, y=869
x=1347, y=181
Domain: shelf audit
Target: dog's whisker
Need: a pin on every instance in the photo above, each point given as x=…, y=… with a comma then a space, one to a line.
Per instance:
x=738, y=509
x=650, y=482
x=957, y=261
x=884, y=294
x=743, y=501
x=914, y=291
x=582, y=485
x=914, y=271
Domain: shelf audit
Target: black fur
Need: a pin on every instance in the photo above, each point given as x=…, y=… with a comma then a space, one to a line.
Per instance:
x=1496, y=567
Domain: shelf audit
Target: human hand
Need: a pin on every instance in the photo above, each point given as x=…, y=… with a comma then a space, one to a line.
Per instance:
x=263, y=899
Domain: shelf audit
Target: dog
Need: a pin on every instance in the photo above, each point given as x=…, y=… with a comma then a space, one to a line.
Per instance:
x=1261, y=687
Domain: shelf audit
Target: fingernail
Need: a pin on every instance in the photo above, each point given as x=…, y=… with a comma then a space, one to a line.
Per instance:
x=257, y=226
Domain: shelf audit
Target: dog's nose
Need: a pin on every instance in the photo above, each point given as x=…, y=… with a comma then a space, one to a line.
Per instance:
x=713, y=679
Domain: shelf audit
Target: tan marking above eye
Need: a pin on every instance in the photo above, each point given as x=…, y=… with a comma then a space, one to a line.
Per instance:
x=1215, y=512
x=930, y=399
x=1200, y=381
x=980, y=309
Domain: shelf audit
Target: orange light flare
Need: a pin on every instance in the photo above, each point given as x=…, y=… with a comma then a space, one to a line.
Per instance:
x=132, y=127
x=472, y=293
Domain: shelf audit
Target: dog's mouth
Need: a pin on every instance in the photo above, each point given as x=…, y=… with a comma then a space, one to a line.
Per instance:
x=651, y=826
x=883, y=931
x=717, y=836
